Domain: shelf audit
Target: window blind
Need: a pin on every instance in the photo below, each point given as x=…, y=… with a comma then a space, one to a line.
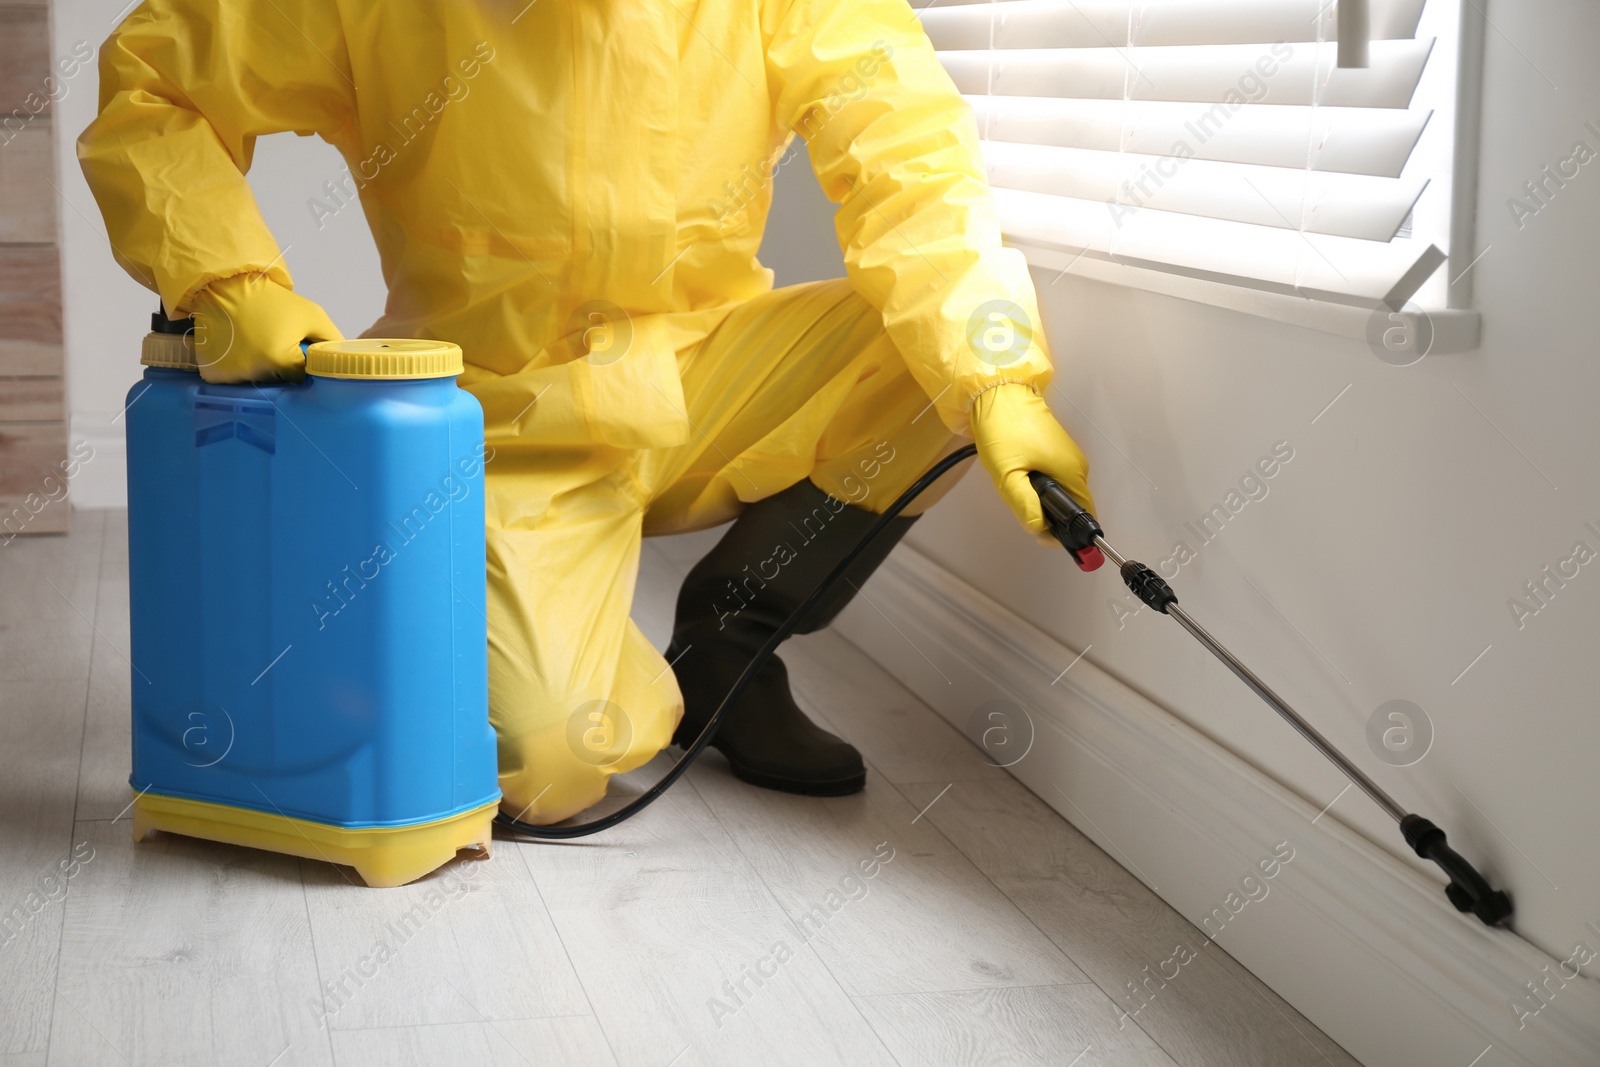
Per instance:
x=1211, y=138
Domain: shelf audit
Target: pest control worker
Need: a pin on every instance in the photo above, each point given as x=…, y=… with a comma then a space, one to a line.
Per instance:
x=574, y=192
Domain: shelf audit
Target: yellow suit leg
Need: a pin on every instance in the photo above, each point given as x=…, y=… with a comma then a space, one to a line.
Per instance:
x=801, y=382
x=577, y=693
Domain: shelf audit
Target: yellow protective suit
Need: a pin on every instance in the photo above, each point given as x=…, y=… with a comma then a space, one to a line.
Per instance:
x=574, y=191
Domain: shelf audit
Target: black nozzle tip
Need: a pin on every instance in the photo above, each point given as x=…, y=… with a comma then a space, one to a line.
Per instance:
x=1492, y=908
x=1468, y=890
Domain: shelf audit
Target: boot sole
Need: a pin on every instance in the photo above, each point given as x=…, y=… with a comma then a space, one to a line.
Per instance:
x=806, y=787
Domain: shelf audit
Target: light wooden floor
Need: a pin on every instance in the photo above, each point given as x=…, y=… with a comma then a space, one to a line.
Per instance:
x=996, y=933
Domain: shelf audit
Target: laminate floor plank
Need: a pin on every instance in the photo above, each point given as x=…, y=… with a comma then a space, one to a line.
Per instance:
x=888, y=902
x=1200, y=1005
x=903, y=738
x=685, y=955
x=682, y=551
x=111, y=601
x=102, y=780
x=103, y=790
x=176, y=951
x=656, y=594
x=468, y=943
x=1036, y=1026
x=50, y=582
x=575, y=1040
x=38, y=768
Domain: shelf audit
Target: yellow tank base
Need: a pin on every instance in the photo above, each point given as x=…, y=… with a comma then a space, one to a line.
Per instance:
x=384, y=856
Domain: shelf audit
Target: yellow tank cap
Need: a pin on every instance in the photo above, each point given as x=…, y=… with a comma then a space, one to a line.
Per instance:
x=383, y=358
x=172, y=350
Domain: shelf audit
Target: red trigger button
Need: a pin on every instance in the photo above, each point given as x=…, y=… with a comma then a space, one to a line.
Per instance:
x=1089, y=558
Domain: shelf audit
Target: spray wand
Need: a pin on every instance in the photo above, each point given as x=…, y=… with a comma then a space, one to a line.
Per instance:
x=1082, y=537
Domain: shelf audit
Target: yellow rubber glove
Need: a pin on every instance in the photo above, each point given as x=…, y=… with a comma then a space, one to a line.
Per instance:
x=248, y=328
x=1016, y=433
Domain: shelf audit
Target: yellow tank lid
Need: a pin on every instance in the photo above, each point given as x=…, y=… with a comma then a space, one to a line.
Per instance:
x=171, y=350
x=383, y=358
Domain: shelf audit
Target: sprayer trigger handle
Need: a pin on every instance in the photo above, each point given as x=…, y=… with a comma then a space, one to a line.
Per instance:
x=1069, y=523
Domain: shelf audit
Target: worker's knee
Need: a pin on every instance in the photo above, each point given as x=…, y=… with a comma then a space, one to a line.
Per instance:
x=561, y=767
x=559, y=743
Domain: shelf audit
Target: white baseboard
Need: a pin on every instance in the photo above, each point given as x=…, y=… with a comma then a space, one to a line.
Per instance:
x=102, y=478
x=1363, y=945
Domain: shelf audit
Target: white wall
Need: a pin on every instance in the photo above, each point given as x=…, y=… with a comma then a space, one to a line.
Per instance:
x=1381, y=560
x=1394, y=538
x=1390, y=543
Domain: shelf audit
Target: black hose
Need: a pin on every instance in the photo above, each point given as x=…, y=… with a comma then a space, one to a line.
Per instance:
x=781, y=634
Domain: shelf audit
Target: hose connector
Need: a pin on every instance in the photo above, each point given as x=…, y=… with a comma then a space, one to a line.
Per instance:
x=1148, y=586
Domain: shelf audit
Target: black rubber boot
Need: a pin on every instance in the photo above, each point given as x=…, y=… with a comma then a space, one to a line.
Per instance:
x=734, y=599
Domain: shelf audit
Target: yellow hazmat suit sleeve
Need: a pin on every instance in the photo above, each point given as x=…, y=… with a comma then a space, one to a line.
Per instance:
x=895, y=146
x=248, y=328
x=186, y=87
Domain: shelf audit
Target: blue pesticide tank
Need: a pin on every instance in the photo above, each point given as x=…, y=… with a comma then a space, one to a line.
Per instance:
x=306, y=584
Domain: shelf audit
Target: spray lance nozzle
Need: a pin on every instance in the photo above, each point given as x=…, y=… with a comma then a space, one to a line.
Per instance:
x=1081, y=535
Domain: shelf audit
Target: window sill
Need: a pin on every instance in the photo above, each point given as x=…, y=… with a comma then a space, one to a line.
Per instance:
x=1454, y=330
